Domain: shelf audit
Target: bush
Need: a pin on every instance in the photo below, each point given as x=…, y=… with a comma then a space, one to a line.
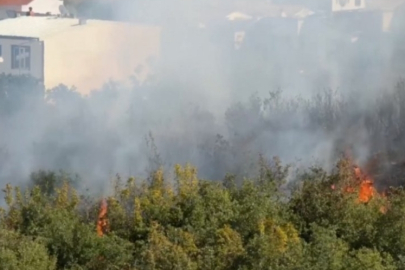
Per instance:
x=189, y=223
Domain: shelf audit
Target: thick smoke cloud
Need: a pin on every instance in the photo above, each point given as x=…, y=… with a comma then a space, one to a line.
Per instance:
x=216, y=107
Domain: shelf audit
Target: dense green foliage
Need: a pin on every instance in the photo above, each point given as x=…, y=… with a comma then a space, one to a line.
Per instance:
x=178, y=221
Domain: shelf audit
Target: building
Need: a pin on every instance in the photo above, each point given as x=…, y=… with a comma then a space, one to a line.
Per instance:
x=378, y=14
x=12, y=8
x=266, y=17
x=41, y=6
x=390, y=11
x=347, y=5
x=62, y=51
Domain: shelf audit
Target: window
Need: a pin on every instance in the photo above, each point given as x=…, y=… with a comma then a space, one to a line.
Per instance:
x=357, y=3
x=20, y=57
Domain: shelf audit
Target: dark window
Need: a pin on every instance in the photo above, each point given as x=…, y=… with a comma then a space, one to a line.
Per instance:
x=20, y=57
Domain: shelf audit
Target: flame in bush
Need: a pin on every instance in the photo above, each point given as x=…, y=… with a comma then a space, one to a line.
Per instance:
x=366, y=188
x=364, y=184
x=102, y=221
x=362, y=180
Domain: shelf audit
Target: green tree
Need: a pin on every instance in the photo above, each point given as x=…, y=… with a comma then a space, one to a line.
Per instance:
x=18, y=252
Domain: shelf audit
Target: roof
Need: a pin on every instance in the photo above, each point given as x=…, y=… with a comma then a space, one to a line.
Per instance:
x=43, y=27
x=42, y=6
x=389, y=5
x=14, y=2
x=238, y=16
x=214, y=11
x=267, y=9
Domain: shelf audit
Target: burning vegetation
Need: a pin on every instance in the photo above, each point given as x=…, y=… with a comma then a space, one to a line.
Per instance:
x=366, y=185
x=102, y=221
x=362, y=183
x=185, y=223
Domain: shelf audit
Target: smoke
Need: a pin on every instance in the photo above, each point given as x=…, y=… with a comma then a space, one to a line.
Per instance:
x=215, y=106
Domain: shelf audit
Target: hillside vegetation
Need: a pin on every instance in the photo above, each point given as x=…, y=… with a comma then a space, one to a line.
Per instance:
x=263, y=215
x=183, y=222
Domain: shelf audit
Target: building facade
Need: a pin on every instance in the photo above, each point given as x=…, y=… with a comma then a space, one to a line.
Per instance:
x=347, y=5
x=63, y=51
x=22, y=56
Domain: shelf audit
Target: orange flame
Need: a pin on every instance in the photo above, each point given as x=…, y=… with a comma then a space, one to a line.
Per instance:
x=367, y=190
x=364, y=183
x=102, y=221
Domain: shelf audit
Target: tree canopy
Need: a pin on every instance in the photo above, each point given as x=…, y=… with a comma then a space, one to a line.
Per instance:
x=183, y=222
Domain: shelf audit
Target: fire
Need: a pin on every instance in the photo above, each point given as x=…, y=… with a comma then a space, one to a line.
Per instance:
x=363, y=181
x=367, y=190
x=102, y=221
x=364, y=184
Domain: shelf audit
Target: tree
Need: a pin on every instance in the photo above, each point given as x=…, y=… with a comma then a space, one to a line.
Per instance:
x=20, y=252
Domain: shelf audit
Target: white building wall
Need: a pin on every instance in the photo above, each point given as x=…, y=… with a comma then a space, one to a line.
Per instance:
x=85, y=56
x=88, y=56
x=347, y=5
x=36, y=56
